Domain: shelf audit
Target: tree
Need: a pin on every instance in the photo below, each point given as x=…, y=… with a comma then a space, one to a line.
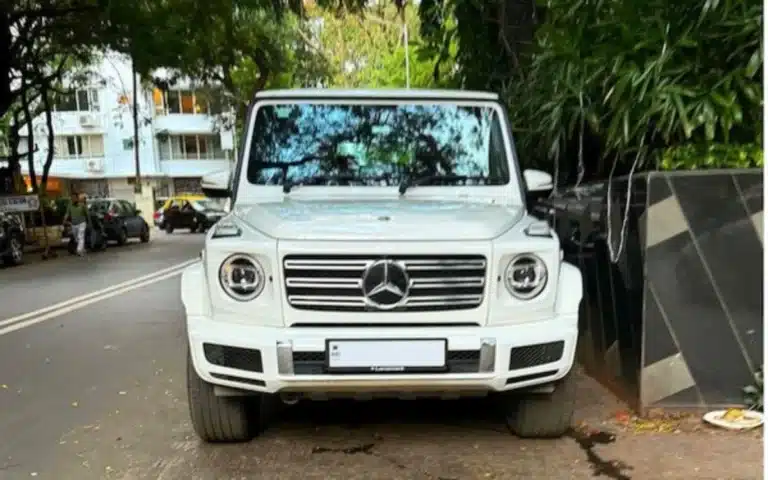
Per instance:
x=242, y=45
x=367, y=48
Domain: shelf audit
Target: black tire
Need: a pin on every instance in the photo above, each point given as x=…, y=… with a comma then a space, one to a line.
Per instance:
x=15, y=255
x=144, y=235
x=168, y=228
x=122, y=236
x=193, y=229
x=220, y=419
x=542, y=415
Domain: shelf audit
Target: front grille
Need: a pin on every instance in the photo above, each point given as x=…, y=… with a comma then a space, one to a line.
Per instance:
x=335, y=282
x=458, y=361
x=534, y=355
x=233, y=357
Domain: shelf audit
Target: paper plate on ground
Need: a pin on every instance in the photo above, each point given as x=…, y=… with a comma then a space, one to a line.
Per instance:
x=734, y=419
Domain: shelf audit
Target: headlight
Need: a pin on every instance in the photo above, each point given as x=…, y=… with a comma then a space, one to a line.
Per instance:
x=526, y=276
x=241, y=277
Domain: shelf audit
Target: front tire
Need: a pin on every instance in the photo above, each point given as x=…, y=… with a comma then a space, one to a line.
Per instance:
x=122, y=236
x=15, y=252
x=144, y=235
x=168, y=228
x=220, y=419
x=541, y=415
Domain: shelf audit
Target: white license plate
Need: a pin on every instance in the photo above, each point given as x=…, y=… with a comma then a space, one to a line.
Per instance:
x=386, y=355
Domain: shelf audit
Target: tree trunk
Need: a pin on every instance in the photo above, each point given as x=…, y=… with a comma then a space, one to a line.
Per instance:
x=30, y=141
x=49, y=125
x=5, y=59
x=14, y=139
x=135, y=115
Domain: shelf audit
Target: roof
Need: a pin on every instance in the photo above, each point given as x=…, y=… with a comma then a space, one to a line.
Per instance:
x=413, y=93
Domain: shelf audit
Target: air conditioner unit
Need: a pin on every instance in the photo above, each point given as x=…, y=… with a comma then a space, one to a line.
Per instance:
x=88, y=121
x=94, y=165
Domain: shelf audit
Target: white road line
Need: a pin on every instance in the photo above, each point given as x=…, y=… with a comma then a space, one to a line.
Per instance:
x=120, y=287
x=71, y=308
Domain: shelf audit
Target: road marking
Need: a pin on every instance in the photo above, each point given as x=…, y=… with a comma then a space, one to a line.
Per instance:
x=72, y=307
x=93, y=297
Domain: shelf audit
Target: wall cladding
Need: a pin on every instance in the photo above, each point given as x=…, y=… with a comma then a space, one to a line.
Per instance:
x=677, y=321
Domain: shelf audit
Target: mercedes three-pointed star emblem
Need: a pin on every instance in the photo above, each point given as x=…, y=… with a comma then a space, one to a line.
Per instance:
x=386, y=284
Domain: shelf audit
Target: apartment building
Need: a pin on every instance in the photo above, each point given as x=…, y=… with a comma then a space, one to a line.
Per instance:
x=181, y=136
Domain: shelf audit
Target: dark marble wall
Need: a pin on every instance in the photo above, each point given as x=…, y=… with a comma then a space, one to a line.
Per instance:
x=676, y=319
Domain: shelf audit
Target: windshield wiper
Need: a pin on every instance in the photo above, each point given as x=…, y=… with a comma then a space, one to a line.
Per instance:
x=408, y=182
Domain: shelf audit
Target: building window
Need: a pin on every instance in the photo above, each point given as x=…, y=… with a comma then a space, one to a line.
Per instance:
x=191, y=147
x=91, y=188
x=186, y=102
x=84, y=100
x=79, y=146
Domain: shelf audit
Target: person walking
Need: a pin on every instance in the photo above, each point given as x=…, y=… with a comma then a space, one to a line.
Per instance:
x=78, y=216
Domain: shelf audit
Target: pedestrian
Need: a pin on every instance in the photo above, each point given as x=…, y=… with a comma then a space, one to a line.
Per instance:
x=78, y=216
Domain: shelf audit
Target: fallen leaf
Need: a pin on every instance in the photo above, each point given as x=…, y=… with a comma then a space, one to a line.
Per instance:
x=75, y=404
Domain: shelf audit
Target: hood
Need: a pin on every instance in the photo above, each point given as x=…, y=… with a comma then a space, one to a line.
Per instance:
x=401, y=219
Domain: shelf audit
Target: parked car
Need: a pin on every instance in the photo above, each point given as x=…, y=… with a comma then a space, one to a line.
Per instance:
x=196, y=214
x=121, y=219
x=427, y=275
x=11, y=239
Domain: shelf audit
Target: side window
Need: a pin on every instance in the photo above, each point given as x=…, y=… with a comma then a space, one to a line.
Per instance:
x=175, y=204
x=114, y=209
x=127, y=208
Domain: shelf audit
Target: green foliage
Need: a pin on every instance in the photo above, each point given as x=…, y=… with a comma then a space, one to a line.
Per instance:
x=694, y=157
x=366, y=49
x=753, y=394
x=641, y=74
x=242, y=45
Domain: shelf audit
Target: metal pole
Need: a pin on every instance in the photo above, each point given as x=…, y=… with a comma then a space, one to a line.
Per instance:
x=407, y=55
x=135, y=114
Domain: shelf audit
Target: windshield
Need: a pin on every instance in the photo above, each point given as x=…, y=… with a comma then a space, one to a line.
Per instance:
x=377, y=145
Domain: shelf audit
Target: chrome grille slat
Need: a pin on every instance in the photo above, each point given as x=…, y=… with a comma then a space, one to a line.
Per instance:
x=323, y=282
x=334, y=282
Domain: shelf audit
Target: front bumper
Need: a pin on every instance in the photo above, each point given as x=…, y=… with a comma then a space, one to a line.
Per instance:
x=497, y=358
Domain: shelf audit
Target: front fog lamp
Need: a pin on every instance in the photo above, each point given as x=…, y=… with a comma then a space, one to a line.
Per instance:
x=241, y=277
x=526, y=276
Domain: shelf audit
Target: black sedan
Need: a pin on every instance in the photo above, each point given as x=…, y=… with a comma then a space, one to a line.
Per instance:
x=11, y=239
x=121, y=219
x=196, y=215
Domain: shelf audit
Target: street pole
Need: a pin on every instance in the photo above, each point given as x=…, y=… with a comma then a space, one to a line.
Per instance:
x=135, y=113
x=405, y=40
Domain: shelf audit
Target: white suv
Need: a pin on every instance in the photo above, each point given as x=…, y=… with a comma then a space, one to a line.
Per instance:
x=379, y=244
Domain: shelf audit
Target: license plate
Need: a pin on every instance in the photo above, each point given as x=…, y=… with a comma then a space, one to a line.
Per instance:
x=386, y=356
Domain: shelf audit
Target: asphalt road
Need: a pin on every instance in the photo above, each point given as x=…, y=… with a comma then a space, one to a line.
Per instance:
x=97, y=392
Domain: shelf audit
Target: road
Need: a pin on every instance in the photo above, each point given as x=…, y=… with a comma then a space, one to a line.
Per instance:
x=95, y=390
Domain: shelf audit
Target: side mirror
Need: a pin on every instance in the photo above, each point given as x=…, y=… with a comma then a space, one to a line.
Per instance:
x=538, y=186
x=538, y=181
x=138, y=212
x=216, y=184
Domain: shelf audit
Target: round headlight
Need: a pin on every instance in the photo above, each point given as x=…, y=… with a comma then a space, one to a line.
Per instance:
x=241, y=277
x=526, y=276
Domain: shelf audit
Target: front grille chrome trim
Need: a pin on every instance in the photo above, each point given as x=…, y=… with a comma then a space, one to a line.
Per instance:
x=437, y=282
